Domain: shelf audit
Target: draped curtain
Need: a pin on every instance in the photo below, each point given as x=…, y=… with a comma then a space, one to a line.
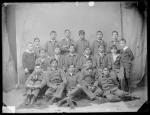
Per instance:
x=134, y=30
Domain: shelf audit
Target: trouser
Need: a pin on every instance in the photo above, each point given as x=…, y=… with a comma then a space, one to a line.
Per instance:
x=55, y=92
x=115, y=94
x=78, y=90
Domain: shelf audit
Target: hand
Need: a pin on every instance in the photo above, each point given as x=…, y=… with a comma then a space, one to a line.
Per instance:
x=26, y=70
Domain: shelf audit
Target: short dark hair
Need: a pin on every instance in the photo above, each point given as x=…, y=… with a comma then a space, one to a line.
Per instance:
x=113, y=46
x=115, y=32
x=122, y=39
x=53, y=31
x=36, y=39
x=67, y=30
x=81, y=32
x=99, y=31
x=37, y=64
x=53, y=61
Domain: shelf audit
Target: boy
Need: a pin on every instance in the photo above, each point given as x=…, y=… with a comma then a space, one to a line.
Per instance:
x=110, y=88
x=82, y=43
x=126, y=60
x=37, y=47
x=55, y=82
x=52, y=43
x=43, y=60
x=114, y=41
x=72, y=57
x=28, y=59
x=99, y=41
x=66, y=42
x=59, y=57
x=100, y=59
x=84, y=57
x=113, y=61
x=35, y=82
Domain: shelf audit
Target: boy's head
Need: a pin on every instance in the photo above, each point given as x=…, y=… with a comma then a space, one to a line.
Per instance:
x=30, y=46
x=54, y=63
x=89, y=63
x=99, y=35
x=37, y=68
x=113, y=49
x=36, y=41
x=42, y=53
x=67, y=33
x=72, y=48
x=71, y=69
x=105, y=71
x=57, y=50
x=122, y=43
x=87, y=51
x=81, y=34
x=53, y=35
x=114, y=34
x=101, y=48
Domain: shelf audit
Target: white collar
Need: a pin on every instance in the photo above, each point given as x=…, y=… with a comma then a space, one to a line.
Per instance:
x=52, y=40
x=29, y=51
x=125, y=48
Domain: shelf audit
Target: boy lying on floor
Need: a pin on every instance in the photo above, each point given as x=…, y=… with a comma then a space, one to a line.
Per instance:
x=110, y=88
x=34, y=83
x=82, y=82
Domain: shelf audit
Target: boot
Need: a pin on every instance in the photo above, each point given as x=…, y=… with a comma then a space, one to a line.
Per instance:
x=70, y=103
x=32, y=100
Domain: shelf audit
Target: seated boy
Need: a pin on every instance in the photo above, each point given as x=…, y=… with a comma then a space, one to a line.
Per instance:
x=28, y=59
x=43, y=60
x=34, y=83
x=100, y=59
x=110, y=88
x=72, y=57
x=113, y=63
x=84, y=57
x=55, y=82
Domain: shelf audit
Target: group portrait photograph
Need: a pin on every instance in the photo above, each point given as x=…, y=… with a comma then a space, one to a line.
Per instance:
x=74, y=56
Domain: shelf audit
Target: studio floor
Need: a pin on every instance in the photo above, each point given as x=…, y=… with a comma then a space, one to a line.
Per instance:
x=16, y=98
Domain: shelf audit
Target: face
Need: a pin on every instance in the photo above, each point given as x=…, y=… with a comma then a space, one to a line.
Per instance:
x=71, y=69
x=89, y=64
x=113, y=50
x=53, y=36
x=87, y=52
x=37, y=69
x=101, y=49
x=71, y=49
x=36, y=42
x=122, y=44
x=54, y=64
x=30, y=47
x=82, y=36
x=105, y=71
x=115, y=35
x=57, y=51
x=99, y=35
x=67, y=34
x=42, y=53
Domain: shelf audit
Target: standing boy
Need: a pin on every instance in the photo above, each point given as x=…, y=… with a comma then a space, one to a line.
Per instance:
x=66, y=42
x=37, y=48
x=99, y=41
x=126, y=60
x=52, y=43
x=82, y=43
x=28, y=59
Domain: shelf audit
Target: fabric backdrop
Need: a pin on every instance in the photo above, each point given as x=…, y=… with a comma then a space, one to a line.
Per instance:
x=37, y=20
